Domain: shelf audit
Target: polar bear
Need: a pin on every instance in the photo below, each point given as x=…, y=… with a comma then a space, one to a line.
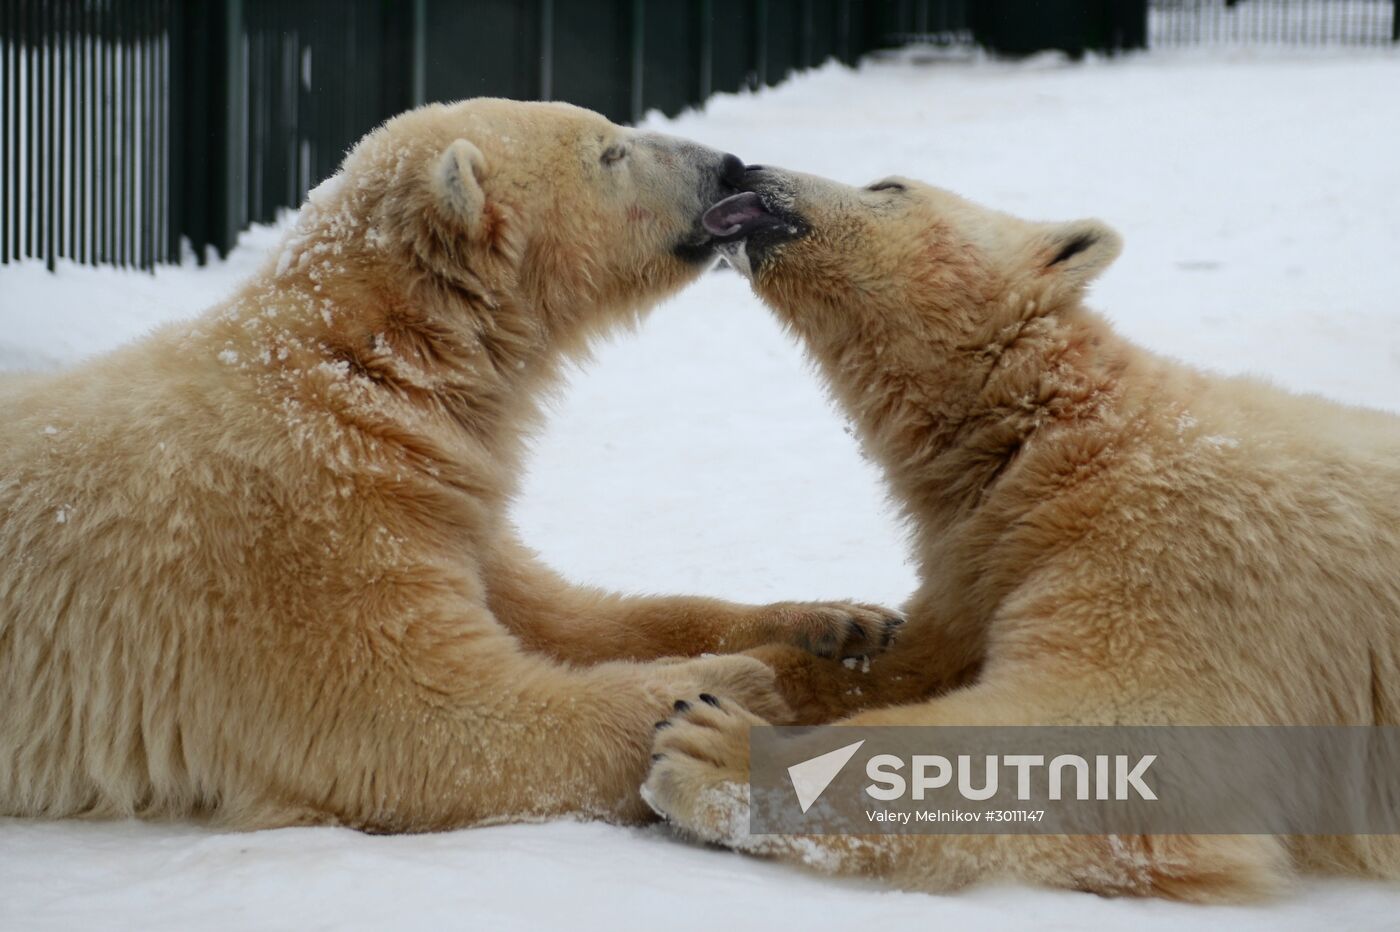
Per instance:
x=1104, y=536
x=257, y=567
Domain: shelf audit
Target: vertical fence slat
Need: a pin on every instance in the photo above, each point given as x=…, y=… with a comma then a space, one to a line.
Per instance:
x=126, y=179
x=13, y=152
x=152, y=104
x=62, y=37
x=106, y=163
x=92, y=19
x=7, y=156
x=69, y=127
x=17, y=131
x=10, y=169
x=52, y=163
x=112, y=176
x=121, y=116
x=154, y=86
x=175, y=89
x=285, y=192
x=141, y=129
x=128, y=144
x=163, y=128
x=108, y=134
x=546, y=49
x=637, y=102
x=75, y=132
x=232, y=133
x=291, y=195
x=37, y=184
x=84, y=108
x=255, y=109
x=260, y=165
x=813, y=34
x=760, y=43
x=707, y=49
x=31, y=52
x=87, y=120
x=137, y=123
x=256, y=112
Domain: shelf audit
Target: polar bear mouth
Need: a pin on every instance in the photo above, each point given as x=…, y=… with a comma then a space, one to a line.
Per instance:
x=737, y=216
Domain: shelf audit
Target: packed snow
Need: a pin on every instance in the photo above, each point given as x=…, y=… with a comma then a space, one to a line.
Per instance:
x=1258, y=196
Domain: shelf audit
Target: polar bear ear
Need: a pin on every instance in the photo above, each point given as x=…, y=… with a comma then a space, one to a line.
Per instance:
x=1075, y=253
x=457, y=184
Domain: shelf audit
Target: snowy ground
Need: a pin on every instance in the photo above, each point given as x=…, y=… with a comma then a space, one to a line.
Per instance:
x=1258, y=196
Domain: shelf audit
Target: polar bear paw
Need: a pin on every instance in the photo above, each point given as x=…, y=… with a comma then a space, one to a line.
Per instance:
x=699, y=778
x=836, y=630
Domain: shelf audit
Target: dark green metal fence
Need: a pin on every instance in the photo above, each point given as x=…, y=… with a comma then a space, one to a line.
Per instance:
x=1274, y=22
x=128, y=127
x=85, y=132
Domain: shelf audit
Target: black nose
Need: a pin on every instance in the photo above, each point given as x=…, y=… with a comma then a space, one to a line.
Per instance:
x=731, y=170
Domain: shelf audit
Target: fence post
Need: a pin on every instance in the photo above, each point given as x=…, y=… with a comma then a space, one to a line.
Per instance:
x=51, y=152
x=760, y=43
x=546, y=49
x=235, y=109
x=807, y=26
x=707, y=49
x=638, y=38
x=7, y=158
x=419, y=52
x=207, y=131
x=1128, y=26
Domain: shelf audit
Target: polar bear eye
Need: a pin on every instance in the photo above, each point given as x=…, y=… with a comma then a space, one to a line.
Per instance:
x=887, y=186
x=614, y=154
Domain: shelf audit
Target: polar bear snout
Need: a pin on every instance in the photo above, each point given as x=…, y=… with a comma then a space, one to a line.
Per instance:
x=760, y=216
x=731, y=171
x=711, y=176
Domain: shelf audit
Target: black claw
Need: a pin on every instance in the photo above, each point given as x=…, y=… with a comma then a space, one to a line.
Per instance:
x=657, y=757
x=661, y=724
x=709, y=700
x=681, y=706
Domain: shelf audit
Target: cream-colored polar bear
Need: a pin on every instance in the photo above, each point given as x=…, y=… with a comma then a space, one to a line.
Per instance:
x=1104, y=536
x=258, y=566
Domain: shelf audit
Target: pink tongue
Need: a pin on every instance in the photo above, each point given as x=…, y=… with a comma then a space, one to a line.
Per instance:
x=732, y=214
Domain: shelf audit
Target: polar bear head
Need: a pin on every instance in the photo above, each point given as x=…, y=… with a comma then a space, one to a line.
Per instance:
x=900, y=257
x=544, y=210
